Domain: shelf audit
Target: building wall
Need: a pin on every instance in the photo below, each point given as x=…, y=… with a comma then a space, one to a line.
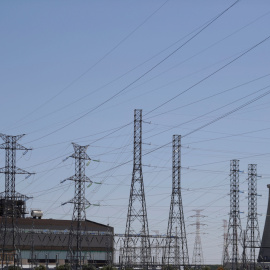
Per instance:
x=48, y=240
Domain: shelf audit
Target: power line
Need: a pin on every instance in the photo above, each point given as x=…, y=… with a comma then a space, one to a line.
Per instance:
x=209, y=75
x=100, y=60
x=140, y=77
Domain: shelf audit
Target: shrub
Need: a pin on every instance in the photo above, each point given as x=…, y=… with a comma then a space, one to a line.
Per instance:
x=14, y=267
x=88, y=267
x=40, y=267
x=63, y=267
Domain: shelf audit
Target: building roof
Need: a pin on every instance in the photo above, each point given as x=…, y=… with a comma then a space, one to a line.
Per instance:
x=58, y=224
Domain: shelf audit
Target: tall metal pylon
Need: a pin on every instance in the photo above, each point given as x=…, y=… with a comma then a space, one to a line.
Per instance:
x=176, y=250
x=75, y=256
x=12, y=201
x=137, y=251
x=225, y=253
x=252, y=229
x=233, y=260
x=197, y=258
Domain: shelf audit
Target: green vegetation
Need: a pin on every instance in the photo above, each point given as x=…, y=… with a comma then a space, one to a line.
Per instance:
x=109, y=267
x=14, y=267
x=40, y=267
x=63, y=267
x=88, y=267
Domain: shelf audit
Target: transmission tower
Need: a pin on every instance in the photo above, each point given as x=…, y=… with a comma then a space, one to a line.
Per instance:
x=225, y=253
x=176, y=250
x=137, y=251
x=252, y=229
x=13, y=203
x=75, y=256
x=233, y=259
x=197, y=258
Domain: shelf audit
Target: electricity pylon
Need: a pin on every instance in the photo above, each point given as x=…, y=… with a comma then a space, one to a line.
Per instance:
x=137, y=250
x=74, y=255
x=232, y=260
x=197, y=258
x=225, y=236
x=176, y=250
x=13, y=203
x=252, y=229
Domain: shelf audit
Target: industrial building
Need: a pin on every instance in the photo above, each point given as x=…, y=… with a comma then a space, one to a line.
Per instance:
x=46, y=241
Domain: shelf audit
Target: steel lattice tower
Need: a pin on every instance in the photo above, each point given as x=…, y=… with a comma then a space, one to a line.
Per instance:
x=252, y=229
x=12, y=201
x=75, y=256
x=197, y=258
x=225, y=253
x=176, y=250
x=137, y=250
x=233, y=259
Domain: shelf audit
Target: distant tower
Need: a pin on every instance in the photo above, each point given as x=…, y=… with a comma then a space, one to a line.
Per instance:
x=75, y=256
x=137, y=251
x=225, y=236
x=264, y=254
x=12, y=204
x=197, y=258
x=176, y=250
x=252, y=229
x=234, y=229
x=109, y=258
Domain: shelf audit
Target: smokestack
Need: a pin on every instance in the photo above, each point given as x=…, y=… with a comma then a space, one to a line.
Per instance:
x=264, y=254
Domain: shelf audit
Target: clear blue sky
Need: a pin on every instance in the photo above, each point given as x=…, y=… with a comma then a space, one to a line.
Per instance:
x=62, y=64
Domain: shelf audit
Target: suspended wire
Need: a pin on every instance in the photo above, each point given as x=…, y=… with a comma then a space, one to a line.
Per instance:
x=209, y=75
x=219, y=108
x=140, y=77
x=99, y=61
x=211, y=96
x=228, y=113
x=121, y=76
x=193, y=56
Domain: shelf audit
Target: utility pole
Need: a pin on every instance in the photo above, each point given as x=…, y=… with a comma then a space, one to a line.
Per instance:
x=74, y=255
x=13, y=203
x=137, y=253
x=197, y=258
x=234, y=229
x=176, y=250
x=252, y=229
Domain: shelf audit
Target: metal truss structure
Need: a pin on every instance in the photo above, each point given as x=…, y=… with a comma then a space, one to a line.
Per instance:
x=75, y=256
x=176, y=250
x=12, y=202
x=252, y=229
x=225, y=253
x=233, y=259
x=197, y=258
x=137, y=253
